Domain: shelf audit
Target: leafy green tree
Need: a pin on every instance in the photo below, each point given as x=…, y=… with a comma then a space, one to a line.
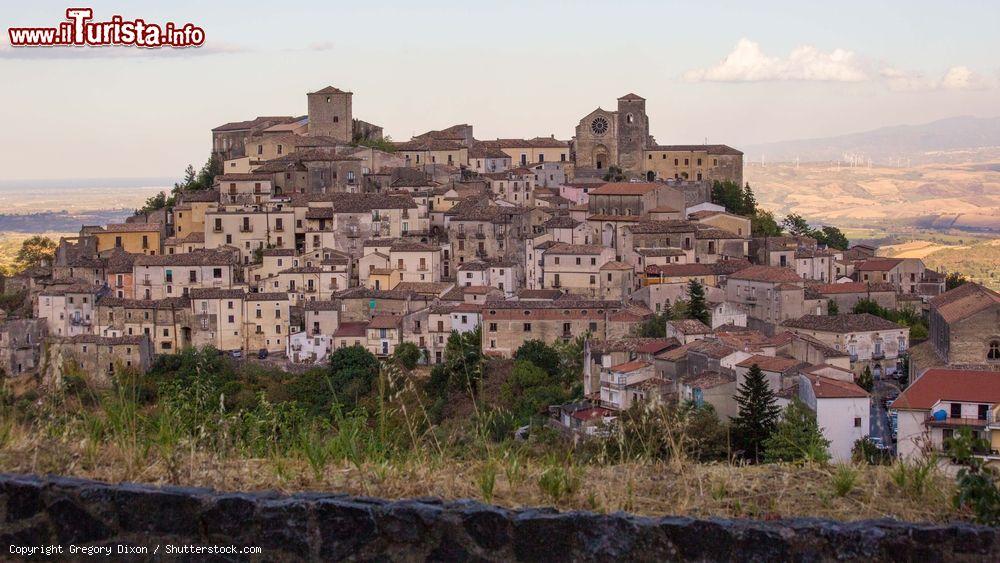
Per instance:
x=797, y=437
x=976, y=482
x=730, y=195
x=656, y=325
x=758, y=414
x=832, y=237
x=953, y=280
x=353, y=370
x=763, y=224
x=154, y=202
x=384, y=144
x=539, y=354
x=707, y=436
x=407, y=355
x=866, y=381
x=35, y=250
x=530, y=389
x=832, y=308
x=462, y=368
x=796, y=225
x=697, y=307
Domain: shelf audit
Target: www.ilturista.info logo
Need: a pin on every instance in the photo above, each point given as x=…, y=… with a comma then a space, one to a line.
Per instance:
x=78, y=30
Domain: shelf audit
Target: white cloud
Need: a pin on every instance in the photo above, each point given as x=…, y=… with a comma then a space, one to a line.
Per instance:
x=748, y=63
x=955, y=78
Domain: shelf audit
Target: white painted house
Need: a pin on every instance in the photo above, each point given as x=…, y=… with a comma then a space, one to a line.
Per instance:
x=843, y=411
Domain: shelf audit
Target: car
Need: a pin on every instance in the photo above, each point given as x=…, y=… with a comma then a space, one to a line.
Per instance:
x=236, y=354
x=878, y=442
x=262, y=353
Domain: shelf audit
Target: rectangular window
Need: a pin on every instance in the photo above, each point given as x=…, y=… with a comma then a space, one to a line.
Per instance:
x=527, y=327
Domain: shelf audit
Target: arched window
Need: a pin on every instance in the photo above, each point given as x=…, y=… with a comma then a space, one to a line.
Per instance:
x=628, y=118
x=993, y=354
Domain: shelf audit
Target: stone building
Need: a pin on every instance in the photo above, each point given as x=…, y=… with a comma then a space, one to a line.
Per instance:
x=20, y=345
x=964, y=331
x=509, y=324
x=621, y=138
x=870, y=341
x=98, y=357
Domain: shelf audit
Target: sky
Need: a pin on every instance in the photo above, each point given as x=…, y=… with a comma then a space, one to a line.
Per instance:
x=722, y=72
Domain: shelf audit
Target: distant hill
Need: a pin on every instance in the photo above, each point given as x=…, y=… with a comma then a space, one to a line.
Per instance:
x=955, y=139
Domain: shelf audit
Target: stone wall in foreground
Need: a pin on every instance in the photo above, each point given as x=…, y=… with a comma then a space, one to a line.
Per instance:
x=38, y=511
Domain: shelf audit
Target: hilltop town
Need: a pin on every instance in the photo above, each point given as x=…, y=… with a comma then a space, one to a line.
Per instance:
x=317, y=233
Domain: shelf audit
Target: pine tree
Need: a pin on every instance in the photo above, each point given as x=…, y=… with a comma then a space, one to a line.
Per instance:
x=758, y=414
x=697, y=309
x=797, y=437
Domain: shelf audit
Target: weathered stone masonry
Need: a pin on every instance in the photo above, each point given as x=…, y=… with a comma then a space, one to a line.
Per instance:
x=310, y=526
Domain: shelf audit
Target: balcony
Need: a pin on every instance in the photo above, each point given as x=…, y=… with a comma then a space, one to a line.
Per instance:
x=246, y=228
x=279, y=229
x=878, y=355
x=217, y=229
x=750, y=298
x=481, y=236
x=147, y=282
x=309, y=289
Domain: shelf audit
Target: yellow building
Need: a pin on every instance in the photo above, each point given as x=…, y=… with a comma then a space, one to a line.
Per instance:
x=134, y=238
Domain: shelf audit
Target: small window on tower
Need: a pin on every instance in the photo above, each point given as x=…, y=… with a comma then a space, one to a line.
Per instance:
x=328, y=99
x=336, y=119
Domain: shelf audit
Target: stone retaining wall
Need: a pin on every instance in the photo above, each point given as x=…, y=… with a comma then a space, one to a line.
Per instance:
x=39, y=511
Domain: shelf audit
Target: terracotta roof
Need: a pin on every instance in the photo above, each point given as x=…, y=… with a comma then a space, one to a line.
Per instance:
x=769, y=274
x=592, y=413
x=277, y=296
x=937, y=384
x=350, y=329
x=323, y=305
x=829, y=388
x=770, y=363
x=632, y=97
x=663, y=227
x=843, y=323
x=630, y=366
x=616, y=265
x=330, y=90
x=561, y=222
x=690, y=326
x=626, y=188
x=386, y=321
x=964, y=301
x=196, y=258
x=216, y=293
x=708, y=379
x=709, y=149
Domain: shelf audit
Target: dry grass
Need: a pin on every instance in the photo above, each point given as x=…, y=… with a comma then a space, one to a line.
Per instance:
x=676, y=488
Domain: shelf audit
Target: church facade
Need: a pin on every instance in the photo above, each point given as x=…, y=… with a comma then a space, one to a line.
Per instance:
x=621, y=139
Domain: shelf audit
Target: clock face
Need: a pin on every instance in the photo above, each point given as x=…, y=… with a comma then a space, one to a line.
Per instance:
x=599, y=126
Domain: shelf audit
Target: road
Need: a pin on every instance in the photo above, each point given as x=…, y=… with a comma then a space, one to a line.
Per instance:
x=879, y=427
